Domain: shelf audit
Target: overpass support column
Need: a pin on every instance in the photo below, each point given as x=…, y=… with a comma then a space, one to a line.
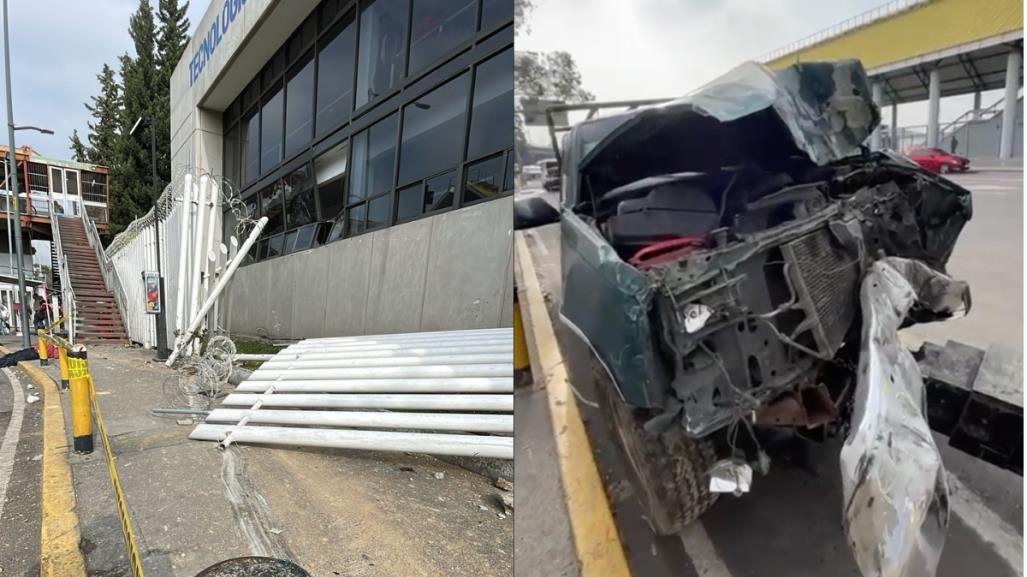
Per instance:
x=1013, y=63
x=895, y=127
x=933, y=106
x=875, y=137
x=977, y=105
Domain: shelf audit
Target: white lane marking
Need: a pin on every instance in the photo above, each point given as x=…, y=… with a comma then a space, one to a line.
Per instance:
x=996, y=192
x=1003, y=187
x=701, y=551
x=990, y=527
x=538, y=242
x=10, y=442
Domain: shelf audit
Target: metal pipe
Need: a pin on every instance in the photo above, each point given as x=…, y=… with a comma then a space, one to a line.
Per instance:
x=280, y=357
x=199, y=254
x=415, y=348
x=183, y=253
x=429, y=335
x=26, y=340
x=222, y=283
x=491, y=403
x=467, y=385
x=373, y=420
x=429, y=371
x=180, y=412
x=429, y=443
x=253, y=357
x=404, y=361
x=209, y=252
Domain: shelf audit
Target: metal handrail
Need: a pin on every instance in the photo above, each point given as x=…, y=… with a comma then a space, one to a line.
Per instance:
x=63, y=272
x=111, y=279
x=962, y=120
x=864, y=18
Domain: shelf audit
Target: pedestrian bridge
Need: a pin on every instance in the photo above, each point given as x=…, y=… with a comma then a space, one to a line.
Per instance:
x=917, y=50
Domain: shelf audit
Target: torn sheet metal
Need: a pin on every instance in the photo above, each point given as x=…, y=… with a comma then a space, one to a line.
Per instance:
x=893, y=482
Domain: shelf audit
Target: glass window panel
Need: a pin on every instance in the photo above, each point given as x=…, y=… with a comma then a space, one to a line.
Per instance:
x=252, y=208
x=382, y=48
x=250, y=144
x=508, y=180
x=275, y=245
x=433, y=130
x=493, y=104
x=409, y=204
x=271, y=132
x=261, y=247
x=378, y=212
x=71, y=182
x=495, y=12
x=374, y=159
x=271, y=202
x=438, y=27
x=290, y=241
x=355, y=218
x=484, y=179
x=330, y=170
x=229, y=221
x=55, y=179
x=304, y=237
x=299, y=198
x=335, y=77
x=299, y=109
x=439, y=191
x=231, y=156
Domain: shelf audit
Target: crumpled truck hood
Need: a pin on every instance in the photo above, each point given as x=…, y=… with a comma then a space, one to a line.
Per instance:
x=826, y=107
x=893, y=481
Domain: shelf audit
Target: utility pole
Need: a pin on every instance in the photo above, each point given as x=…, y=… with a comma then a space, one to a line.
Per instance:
x=26, y=340
x=162, y=324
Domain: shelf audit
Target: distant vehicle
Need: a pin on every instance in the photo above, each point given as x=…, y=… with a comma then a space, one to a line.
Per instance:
x=551, y=174
x=532, y=172
x=937, y=160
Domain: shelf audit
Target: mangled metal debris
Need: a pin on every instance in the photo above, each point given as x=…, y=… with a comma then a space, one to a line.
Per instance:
x=442, y=393
x=714, y=250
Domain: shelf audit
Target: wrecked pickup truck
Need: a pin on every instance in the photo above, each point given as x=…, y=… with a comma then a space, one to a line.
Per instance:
x=740, y=265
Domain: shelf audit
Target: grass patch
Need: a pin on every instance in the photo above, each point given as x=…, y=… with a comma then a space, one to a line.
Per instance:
x=254, y=347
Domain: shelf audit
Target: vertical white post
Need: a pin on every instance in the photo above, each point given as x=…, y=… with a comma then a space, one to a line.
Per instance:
x=210, y=253
x=199, y=255
x=183, y=255
x=1013, y=63
x=933, y=106
x=977, y=106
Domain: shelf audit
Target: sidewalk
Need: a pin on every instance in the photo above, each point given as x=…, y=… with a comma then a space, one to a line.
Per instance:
x=333, y=512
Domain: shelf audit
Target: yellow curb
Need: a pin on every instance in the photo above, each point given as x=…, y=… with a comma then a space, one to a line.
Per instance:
x=59, y=555
x=597, y=543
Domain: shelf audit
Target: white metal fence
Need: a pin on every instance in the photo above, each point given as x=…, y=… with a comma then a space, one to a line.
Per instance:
x=193, y=254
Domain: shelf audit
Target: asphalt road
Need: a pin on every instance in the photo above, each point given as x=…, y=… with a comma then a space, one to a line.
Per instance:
x=790, y=524
x=20, y=469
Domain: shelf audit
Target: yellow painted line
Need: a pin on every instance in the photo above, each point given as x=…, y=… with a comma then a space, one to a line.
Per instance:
x=59, y=555
x=596, y=541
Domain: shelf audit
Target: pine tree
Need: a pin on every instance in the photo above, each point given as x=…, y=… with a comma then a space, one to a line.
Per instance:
x=106, y=112
x=79, y=151
x=129, y=180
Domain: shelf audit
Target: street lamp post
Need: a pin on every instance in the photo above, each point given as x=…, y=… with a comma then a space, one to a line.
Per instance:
x=162, y=325
x=26, y=340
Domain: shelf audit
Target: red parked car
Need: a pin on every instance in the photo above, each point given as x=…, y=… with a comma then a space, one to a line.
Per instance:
x=937, y=160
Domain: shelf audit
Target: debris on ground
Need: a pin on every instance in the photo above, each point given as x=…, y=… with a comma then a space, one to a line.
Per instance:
x=32, y=399
x=503, y=484
x=440, y=475
x=406, y=469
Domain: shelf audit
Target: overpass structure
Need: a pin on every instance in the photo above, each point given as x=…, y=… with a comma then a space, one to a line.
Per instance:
x=915, y=50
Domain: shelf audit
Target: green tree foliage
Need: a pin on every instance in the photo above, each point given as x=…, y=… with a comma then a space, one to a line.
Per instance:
x=551, y=75
x=140, y=89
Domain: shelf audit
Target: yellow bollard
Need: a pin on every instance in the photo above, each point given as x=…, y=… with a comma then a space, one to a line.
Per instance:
x=81, y=415
x=522, y=362
x=62, y=361
x=41, y=343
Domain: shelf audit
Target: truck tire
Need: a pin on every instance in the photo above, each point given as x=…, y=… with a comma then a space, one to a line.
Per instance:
x=669, y=472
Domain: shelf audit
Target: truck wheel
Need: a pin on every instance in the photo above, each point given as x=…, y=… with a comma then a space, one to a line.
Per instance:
x=669, y=471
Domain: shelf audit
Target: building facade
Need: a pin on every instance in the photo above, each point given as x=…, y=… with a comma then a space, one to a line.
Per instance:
x=377, y=138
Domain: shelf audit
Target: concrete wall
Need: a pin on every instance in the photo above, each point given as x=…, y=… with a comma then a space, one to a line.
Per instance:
x=451, y=271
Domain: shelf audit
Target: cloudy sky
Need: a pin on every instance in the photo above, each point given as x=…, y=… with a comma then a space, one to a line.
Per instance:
x=57, y=49
x=629, y=49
